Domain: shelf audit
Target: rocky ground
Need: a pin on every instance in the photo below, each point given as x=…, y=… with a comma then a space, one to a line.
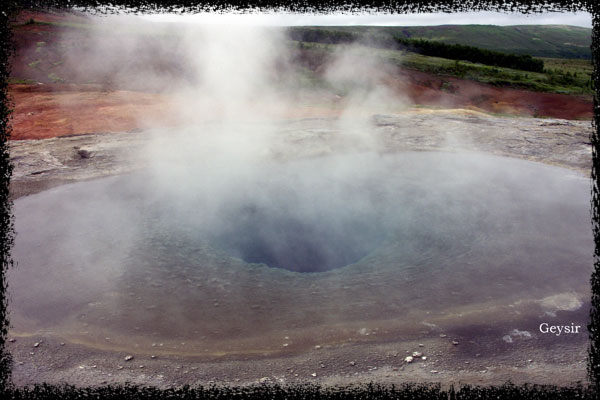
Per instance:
x=41, y=164
x=471, y=362
x=450, y=356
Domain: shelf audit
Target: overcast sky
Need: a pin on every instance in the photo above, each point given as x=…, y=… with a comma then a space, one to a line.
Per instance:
x=281, y=19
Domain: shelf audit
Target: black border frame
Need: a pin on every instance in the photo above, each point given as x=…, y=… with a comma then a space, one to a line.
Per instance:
x=8, y=8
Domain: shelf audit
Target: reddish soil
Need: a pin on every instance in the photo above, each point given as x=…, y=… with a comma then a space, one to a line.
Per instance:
x=44, y=111
x=75, y=106
x=51, y=16
x=449, y=92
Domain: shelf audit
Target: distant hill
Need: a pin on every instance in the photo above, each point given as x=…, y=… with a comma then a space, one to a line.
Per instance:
x=555, y=41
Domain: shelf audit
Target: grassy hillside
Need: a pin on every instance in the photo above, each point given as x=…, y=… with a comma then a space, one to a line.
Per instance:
x=554, y=41
x=64, y=52
x=564, y=76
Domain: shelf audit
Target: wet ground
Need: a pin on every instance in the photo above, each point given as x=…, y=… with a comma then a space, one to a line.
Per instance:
x=198, y=313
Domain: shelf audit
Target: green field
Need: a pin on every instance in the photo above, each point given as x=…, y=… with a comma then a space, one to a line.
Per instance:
x=555, y=41
x=566, y=76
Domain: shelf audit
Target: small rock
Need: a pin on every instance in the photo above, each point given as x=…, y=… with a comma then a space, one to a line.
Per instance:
x=417, y=354
x=62, y=343
x=83, y=153
x=264, y=380
x=322, y=365
x=530, y=361
x=454, y=342
x=423, y=358
x=12, y=340
x=287, y=338
x=442, y=335
x=141, y=366
x=152, y=356
x=313, y=374
x=119, y=367
x=128, y=358
x=408, y=359
x=421, y=345
x=466, y=362
x=433, y=371
x=317, y=347
x=353, y=363
x=285, y=345
x=36, y=344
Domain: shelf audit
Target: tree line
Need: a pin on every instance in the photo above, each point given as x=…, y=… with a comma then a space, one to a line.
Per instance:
x=421, y=46
x=474, y=54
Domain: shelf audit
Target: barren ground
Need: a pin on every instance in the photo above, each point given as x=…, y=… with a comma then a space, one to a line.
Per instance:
x=51, y=110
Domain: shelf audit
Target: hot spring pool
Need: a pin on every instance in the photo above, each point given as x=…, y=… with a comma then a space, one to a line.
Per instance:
x=309, y=248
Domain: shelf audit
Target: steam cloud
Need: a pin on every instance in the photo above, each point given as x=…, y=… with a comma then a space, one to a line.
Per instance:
x=230, y=170
x=235, y=87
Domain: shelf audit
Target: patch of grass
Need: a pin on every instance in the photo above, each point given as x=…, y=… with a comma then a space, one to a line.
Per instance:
x=561, y=41
x=55, y=78
x=21, y=81
x=579, y=70
x=558, y=76
x=65, y=24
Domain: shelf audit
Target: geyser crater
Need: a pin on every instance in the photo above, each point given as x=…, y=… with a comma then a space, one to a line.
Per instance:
x=284, y=240
x=309, y=215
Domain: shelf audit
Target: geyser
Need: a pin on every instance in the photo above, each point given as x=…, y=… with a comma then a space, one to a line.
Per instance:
x=310, y=215
x=367, y=237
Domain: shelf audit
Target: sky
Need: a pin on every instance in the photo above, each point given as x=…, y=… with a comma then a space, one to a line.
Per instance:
x=583, y=19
